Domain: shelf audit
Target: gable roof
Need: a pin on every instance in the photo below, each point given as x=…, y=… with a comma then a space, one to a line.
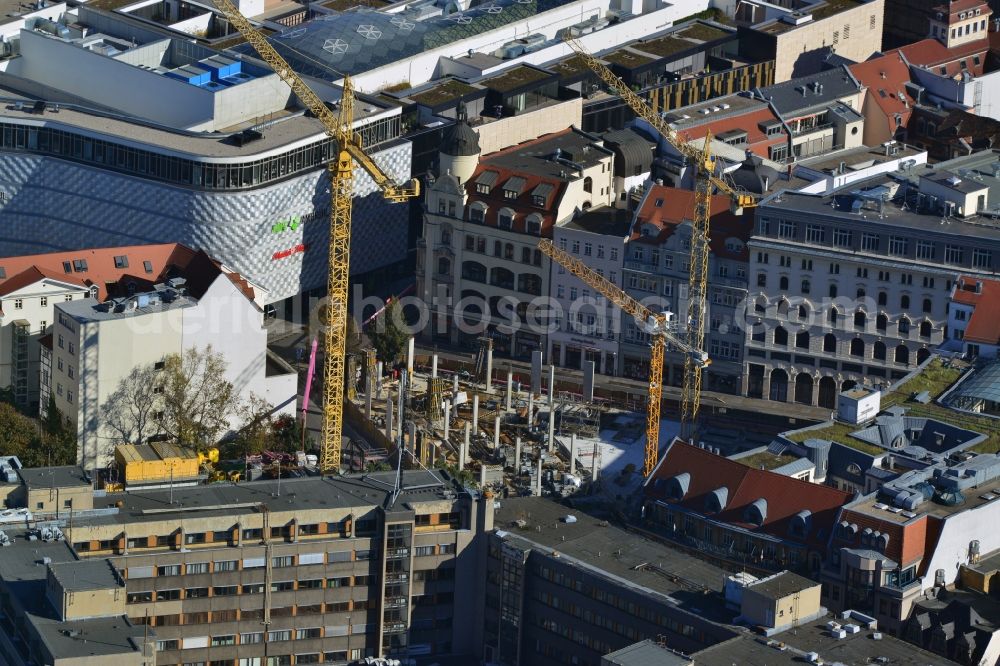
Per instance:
x=984, y=323
x=932, y=54
x=785, y=496
x=886, y=77
x=102, y=269
x=668, y=208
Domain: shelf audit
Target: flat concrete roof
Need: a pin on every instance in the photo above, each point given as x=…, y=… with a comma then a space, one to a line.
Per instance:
x=858, y=649
x=68, y=476
x=228, y=499
x=89, y=638
x=782, y=584
x=620, y=554
x=84, y=575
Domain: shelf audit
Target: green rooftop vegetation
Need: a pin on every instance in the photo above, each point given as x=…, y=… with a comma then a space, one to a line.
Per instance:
x=665, y=46
x=713, y=14
x=515, y=78
x=702, y=32
x=935, y=379
x=831, y=7
x=446, y=91
x=344, y=5
x=767, y=460
x=570, y=66
x=627, y=58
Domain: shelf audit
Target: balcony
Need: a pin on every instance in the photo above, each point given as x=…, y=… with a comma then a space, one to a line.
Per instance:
x=397, y=553
x=397, y=578
x=396, y=602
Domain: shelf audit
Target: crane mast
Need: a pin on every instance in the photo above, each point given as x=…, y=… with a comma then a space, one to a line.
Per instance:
x=349, y=150
x=656, y=324
x=706, y=181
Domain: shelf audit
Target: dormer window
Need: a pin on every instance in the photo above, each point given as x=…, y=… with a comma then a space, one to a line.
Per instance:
x=513, y=188
x=486, y=181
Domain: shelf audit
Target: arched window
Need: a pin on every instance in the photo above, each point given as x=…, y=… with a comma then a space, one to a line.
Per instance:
x=904, y=302
x=588, y=184
x=830, y=343
x=783, y=283
x=533, y=225
x=860, y=318
x=477, y=212
x=904, y=326
x=93, y=291
x=505, y=220
x=781, y=336
x=529, y=284
x=446, y=237
x=802, y=340
x=857, y=347
x=834, y=316
x=883, y=298
x=473, y=270
x=803, y=312
x=878, y=351
x=497, y=249
x=444, y=266
x=881, y=321
x=925, y=329
x=833, y=291
x=508, y=251
x=806, y=286
x=760, y=305
x=927, y=306
x=861, y=292
x=902, y=354
x=501, y=277
x=783, y=307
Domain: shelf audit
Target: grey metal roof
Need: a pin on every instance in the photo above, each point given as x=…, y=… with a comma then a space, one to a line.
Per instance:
x=460, y=140
x=632, y=151
x=515, y=184
x=488, y=178
x=795, y=467
x=543, y=190
x=811, y=92
x=645, y=653
x=841, y=460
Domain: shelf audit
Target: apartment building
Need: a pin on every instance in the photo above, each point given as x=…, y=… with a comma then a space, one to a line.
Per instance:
x=565, y=588
x=657, y=269
x=478, y=262
x=973, y=324
x=853, y=287
x=320, y=570
x=96, y=343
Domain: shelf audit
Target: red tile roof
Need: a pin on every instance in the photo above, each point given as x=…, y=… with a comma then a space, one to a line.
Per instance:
x=934, y=55
x=785, y=495
x=984, y=323
x=757, y=141
x=886, y=77
x=165, y=259
x=677, y=205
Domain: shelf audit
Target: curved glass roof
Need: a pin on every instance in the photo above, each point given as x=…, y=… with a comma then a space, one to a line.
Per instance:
x=363, y=39
x=984, y=384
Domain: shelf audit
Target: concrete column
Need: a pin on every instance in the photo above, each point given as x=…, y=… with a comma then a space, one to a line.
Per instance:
x=552, y=431
x=510, y=389
x=766, y=391
x=572, y=453
x=536, y=371
x=552, y=385
x=389, y=409
x=368, y=398
x=538, y=478
x=454, y=383
x=434, y=366
x=496, y=433
x=482, y=476
x=595, y=464
x=475, y=412
x=409, y=355
x=588, y=381
x=489, y=369
x=790, y=389
x=447, y=419
x=378, y=379
x=814, y=401
x=463, y=449
x=531, y=409
x=517, y=454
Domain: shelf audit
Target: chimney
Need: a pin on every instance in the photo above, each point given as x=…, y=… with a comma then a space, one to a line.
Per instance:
x=979, y=286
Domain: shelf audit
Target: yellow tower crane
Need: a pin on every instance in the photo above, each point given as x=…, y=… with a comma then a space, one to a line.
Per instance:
x=349, y=150
x=705, y=180
x=658, y=325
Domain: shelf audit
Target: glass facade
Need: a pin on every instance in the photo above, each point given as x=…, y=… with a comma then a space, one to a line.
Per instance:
x=179, y=171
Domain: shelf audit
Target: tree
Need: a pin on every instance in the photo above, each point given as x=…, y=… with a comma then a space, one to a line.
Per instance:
x=197, y=398
x=387, y=334
x=19, y=435
x=256, y=430
x=129, y=411
x=58, y=436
